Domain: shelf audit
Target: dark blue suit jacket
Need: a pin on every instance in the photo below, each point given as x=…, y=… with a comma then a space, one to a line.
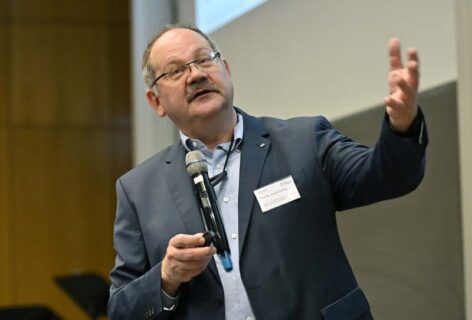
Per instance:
x=292, y=262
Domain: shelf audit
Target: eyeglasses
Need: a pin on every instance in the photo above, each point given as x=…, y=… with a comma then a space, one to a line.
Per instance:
x=174, y=72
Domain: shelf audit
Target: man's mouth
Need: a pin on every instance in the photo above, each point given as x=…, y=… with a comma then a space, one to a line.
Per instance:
x=201, y=93
x=198, y=93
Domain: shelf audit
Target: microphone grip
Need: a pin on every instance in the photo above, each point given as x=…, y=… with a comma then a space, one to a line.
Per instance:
x=214, y=235
x=212, y=218
x=217, y=214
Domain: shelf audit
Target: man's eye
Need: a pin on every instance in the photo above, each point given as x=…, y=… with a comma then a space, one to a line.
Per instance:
x=176, y=72
x=204, y=60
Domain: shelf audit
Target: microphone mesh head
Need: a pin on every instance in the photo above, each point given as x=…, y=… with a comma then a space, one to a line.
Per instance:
x=195, y=163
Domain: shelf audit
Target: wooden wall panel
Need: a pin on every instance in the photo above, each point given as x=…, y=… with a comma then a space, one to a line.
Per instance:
x=3, y=72
x=64, y=10
x=34, y=74
x=120, y=10
x=64, y=139
x=4, y=12
x=62, y=210
x=60, y=74
x=84, y=74
x=120, y=73
x=4, y=230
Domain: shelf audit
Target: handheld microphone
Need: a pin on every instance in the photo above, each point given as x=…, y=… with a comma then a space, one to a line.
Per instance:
x=197, y=169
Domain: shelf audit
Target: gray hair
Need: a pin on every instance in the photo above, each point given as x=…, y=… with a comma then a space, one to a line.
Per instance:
x=147, y=68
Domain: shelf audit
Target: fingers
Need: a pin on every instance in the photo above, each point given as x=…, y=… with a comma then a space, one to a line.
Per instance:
x=412, y=54
x=395, y=54
x=189, y=248
x=403, y=81
x=413, y=67
x=190, y=254
x=403, y=97
x=186, y=257
x=187, y=241
x=393, y=103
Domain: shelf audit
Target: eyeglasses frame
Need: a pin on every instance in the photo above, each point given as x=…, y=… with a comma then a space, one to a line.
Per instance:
x=216, y=55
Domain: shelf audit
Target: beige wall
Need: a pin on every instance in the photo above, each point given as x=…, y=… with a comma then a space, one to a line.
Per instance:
x=304, y=57
x=328, y=57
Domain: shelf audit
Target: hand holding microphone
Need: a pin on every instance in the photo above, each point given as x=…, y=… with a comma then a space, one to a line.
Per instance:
x=186, y=257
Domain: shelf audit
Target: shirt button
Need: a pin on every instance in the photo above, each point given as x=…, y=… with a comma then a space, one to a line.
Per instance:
x=194, y=143
x=249, y=318
x=234, y=236
x=219, y=166
x=225, y=199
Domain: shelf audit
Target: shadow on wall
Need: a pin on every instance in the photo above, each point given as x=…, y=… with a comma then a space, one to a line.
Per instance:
x=407, y=252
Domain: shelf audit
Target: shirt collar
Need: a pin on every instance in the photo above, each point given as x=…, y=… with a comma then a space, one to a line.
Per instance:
x=195, y=144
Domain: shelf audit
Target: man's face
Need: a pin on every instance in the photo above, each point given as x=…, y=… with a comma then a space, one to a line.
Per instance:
x=199, y=93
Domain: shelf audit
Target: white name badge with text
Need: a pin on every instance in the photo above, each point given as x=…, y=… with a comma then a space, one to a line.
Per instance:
x=277, y=193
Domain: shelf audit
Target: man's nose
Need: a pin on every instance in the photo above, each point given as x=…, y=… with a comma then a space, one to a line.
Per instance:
x=195, y=73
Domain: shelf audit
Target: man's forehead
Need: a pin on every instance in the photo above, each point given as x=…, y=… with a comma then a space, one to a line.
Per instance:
x=175, y=43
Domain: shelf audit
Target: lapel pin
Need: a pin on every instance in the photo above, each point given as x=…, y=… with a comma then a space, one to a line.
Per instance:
x=262, y=145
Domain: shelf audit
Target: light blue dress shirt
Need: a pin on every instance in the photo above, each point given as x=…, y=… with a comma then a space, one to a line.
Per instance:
x=237, y=304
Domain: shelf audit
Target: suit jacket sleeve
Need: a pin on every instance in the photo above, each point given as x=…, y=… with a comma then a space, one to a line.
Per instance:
x=136, y=287
x=360, y=175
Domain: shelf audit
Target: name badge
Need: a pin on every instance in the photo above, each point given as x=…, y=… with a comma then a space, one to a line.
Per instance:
x=277, y=193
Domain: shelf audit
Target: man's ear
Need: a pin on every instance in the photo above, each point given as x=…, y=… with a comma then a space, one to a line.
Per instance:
x=154, y=102
x=227, y=68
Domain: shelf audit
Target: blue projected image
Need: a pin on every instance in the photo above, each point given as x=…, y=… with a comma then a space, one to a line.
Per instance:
x=213, y=14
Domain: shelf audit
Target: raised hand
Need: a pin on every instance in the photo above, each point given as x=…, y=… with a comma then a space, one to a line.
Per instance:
x=403, y=82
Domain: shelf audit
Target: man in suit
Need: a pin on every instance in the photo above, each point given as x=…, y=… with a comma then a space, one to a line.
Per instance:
x=287, y=256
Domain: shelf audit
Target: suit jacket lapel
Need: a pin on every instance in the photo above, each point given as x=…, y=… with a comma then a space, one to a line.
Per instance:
x=254, y=150
x=181, y=191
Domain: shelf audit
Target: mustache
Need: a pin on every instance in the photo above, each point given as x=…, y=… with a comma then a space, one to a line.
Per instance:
x=199, y=86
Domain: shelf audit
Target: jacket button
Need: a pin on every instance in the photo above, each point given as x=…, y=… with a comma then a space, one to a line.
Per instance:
x=219, y=302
